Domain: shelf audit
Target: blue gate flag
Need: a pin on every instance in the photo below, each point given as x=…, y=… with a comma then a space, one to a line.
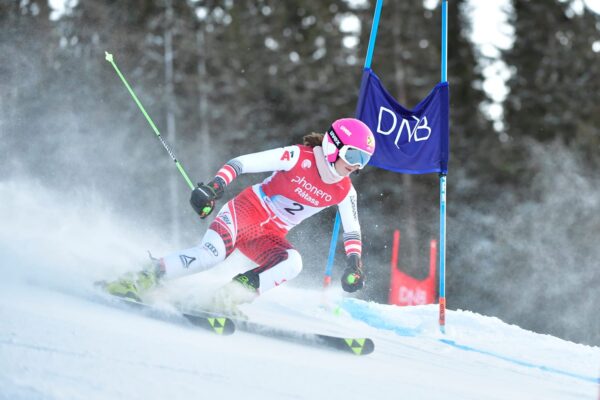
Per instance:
x=407, y=141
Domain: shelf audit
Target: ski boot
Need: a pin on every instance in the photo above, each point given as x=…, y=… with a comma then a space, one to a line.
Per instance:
x=242, y=289
x=133, y=284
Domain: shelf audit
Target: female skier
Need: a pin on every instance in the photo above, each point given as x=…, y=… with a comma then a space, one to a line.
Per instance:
x=306, y=179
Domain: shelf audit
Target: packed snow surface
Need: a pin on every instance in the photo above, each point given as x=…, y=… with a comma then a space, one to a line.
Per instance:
x=62, y=339
x=57, y=345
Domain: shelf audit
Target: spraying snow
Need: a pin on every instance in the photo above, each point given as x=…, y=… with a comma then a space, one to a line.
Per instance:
x=60, y=340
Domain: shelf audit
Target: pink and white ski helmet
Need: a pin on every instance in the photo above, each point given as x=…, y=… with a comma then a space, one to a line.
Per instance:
x=351, y=139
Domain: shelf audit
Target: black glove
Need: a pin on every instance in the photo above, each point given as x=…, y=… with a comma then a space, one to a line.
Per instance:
x=204, y=196
x=353, y=278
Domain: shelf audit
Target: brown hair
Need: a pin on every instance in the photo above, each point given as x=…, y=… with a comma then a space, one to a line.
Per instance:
x=313, y=139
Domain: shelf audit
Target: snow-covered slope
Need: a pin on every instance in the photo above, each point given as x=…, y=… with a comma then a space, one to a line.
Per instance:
x=60, y=339
x=56, y=345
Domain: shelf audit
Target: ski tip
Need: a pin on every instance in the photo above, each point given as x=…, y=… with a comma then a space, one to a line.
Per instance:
x=218, y=324
x=108, y=56
x=222, y=326
x=360, y=346
x=368, y=347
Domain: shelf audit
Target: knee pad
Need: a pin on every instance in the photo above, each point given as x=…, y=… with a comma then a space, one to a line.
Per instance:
x=210, y=252
x=295, y=260
x=282, y=272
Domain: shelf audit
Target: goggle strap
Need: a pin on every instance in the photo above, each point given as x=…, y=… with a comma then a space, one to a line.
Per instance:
x=335, y=139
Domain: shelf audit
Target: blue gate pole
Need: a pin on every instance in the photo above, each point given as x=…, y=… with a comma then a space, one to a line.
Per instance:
x=442, y=316
x=336, y=224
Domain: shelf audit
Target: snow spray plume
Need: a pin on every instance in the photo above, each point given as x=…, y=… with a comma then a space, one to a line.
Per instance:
x=110, y=59
x=66, y=240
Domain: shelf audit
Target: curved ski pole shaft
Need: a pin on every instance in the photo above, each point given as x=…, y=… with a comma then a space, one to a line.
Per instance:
x=368, y=59
x=332, y=246
x=110, y=59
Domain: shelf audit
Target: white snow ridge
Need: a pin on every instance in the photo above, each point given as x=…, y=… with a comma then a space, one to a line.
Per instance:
x=61, y=339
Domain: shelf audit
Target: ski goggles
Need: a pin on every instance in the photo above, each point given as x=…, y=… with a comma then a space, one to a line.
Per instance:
x=354, y=156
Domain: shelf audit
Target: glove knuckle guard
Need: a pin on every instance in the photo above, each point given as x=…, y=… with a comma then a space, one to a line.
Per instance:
x=354, y=270
x=202, y=197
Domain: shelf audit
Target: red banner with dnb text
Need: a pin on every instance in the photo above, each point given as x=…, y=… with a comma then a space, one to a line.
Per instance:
x=408, y=291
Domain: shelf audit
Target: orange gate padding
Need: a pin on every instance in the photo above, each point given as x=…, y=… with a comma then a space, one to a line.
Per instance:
x=406, y=290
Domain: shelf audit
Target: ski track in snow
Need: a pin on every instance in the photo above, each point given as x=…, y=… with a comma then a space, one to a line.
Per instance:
x=61, y=339
x=56, y=345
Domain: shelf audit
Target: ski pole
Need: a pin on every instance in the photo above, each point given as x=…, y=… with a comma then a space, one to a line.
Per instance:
x=109, y=58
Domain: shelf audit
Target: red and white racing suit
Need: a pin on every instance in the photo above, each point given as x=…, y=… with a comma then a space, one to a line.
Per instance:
x=257, y=220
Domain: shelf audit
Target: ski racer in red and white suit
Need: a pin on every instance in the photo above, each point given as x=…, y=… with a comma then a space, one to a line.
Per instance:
x=257, y=221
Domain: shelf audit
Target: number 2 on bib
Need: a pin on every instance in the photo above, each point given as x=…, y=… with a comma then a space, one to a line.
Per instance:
x=293, y=211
